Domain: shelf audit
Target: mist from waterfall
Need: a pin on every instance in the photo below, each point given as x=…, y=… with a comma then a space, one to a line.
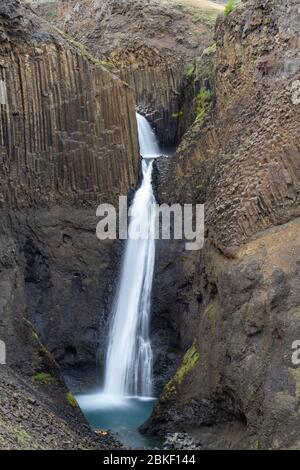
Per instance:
x=128, y=369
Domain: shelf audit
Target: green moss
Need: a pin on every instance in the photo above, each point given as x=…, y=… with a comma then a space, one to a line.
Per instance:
x=22, y=436
x=231, y=6
x=16, y=432
x=203, y=100
x=71, y=400
x=43, y=378
x=256, y=445
x=188, y=363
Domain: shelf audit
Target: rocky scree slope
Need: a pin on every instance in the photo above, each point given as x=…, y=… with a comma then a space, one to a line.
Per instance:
x=67, y=142
x=237, y=305
x=151, y=43
x=30, y=419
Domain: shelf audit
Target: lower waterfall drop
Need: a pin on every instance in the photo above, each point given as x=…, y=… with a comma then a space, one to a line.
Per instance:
x=129, y=356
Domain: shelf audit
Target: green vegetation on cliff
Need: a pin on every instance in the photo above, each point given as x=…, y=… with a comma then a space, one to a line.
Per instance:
x=188, y=363
x=203, y=100
x=72, y=400
x=231, y=6
x=43, y=378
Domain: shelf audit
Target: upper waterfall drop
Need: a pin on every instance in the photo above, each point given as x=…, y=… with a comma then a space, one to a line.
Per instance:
x=149, y=147
x=129, y=356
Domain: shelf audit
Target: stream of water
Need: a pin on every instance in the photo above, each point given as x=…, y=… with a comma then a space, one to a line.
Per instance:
x=126, y=400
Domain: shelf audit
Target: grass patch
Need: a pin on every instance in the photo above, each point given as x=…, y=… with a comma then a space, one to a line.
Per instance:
x=231, y=6
x=43, y=378
x=207, y=17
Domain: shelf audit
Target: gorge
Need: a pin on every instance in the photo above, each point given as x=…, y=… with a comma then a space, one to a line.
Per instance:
x=218, y=91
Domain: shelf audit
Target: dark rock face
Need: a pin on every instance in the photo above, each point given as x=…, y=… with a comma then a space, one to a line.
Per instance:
x=81, y=152
x=246, y=162
x=237, y=386
x=242, y=389
x=69, y=282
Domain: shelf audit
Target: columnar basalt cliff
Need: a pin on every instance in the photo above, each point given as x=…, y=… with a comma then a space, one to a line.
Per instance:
x=152, y=44
x=239, y=297
x=67, y=142
x=69, y=127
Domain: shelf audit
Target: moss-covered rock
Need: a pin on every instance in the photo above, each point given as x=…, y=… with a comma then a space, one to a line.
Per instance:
x=188, y=363
x=72, y=400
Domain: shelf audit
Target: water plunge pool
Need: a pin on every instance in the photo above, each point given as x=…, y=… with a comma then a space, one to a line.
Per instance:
x=121, y=416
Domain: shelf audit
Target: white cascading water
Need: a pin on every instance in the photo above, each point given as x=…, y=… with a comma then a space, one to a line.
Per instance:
x=149, y=147
x=129, y=357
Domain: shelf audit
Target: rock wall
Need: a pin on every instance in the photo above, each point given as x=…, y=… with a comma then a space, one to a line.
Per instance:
x=68, y=125
x=68, y=141
x=238, y=314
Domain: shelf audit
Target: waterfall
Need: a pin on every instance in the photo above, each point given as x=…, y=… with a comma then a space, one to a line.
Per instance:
x=129, y=356
x=148, y=144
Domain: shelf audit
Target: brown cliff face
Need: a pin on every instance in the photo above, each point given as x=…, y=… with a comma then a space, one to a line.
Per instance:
x=239, y=297
x=68, y=142
x=150, y=43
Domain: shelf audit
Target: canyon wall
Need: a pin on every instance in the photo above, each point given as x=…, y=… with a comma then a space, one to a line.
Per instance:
x=68, y=141
x=151, y=44
x=236, y=308
x=68, y=124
